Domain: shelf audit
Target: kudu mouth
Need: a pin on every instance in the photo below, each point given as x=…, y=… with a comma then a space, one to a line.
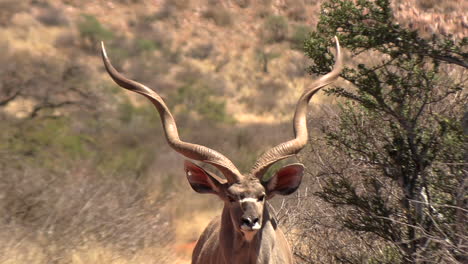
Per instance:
x=254, y=228
x=250, y=224
x=250, y=230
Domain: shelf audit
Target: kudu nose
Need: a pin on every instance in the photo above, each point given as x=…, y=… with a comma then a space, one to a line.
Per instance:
x=250, y=221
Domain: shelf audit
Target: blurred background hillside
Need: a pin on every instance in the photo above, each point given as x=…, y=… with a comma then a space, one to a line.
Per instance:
x=85, y=173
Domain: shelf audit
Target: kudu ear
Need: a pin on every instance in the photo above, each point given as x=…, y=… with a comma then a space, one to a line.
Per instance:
x=200, y=180
x=286, y=180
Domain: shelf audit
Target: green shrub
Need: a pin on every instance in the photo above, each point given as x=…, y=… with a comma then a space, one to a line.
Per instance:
x=42, y=141
x=397, y=146
x=197, y=95
x=92, y=31
x=275, y=29
x=146, y=45
x=299, y=36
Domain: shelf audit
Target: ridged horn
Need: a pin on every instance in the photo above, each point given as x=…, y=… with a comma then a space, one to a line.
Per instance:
x=291, y=147
x=189, y=150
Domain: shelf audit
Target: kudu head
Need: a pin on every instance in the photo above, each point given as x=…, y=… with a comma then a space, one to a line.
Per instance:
x=244, y=194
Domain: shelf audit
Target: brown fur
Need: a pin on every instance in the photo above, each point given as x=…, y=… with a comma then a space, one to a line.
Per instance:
x=221, y=243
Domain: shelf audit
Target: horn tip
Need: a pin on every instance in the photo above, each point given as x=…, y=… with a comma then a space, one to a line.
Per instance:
x=103, y=50
x=337, y=43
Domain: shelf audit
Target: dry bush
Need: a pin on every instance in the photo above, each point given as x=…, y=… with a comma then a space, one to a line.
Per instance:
x=441, y=6
x=199, y=96
x=149, y=55
x=252, y=140
x=92, y=32
x=243, y=3
x=268, y=94
x=263, y=8
x=179, y=4
x=241, y=143
x=263, y=11
x=53, y=16
x=50, y=82
x=201, y=51
x=155, y=33
x=313, y=232
x=427, y=4
x=299, y=35
x=170, y=7
x=8, y=9
x=151, y=71
x=297, y=66
x=275, y=29
x=62, y=214
x=297, y=11
x=313, y=226
x=220, y=15
x=130, y=1
x=66, y=40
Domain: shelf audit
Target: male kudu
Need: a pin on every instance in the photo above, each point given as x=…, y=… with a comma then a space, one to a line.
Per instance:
x=245, y=232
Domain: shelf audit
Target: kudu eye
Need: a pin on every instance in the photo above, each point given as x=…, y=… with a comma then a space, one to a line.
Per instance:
x=231, y=199
x=261, y=198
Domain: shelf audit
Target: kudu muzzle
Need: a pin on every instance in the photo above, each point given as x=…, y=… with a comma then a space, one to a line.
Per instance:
x=250, y=219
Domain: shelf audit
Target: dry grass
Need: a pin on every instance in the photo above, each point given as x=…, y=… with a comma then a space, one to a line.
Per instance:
x=81, y=217
x=447, y=18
